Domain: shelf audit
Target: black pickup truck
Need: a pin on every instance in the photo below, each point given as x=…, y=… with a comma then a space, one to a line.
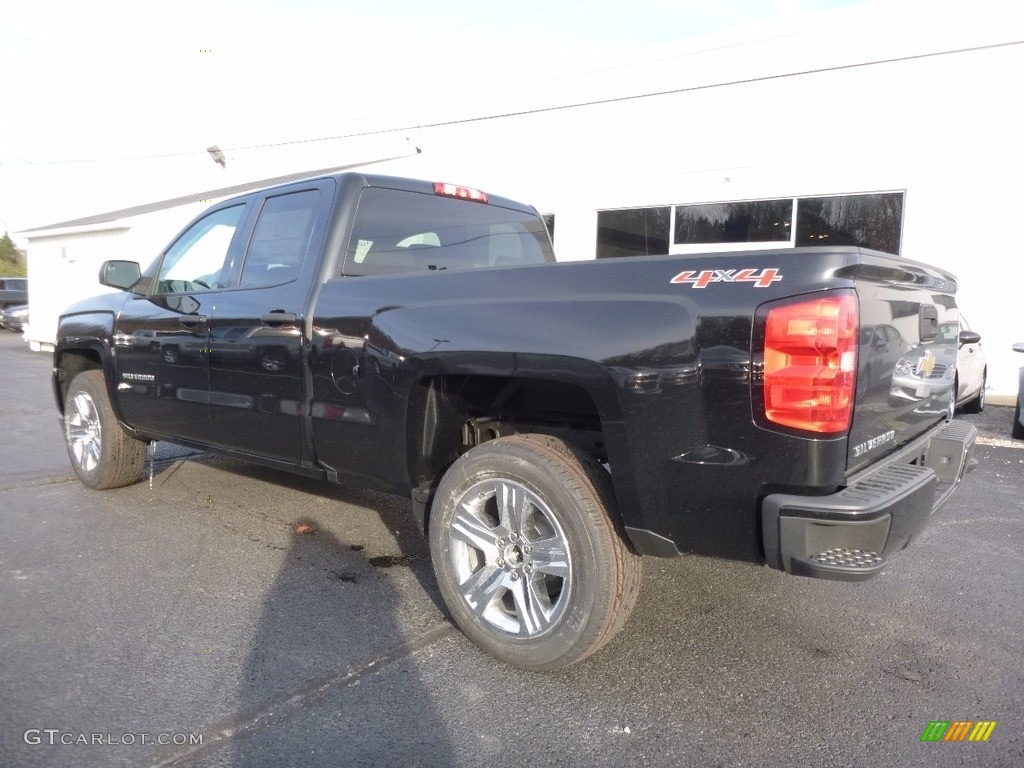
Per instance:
x=551, y=422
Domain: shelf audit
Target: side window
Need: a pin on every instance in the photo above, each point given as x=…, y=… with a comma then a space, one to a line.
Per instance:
x=280, y=239
x=194, y=262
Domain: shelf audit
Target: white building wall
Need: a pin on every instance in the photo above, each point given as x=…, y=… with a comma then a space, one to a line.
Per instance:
x=943, y=129
x=894, y=96
x=64, y=264
x=61, y=269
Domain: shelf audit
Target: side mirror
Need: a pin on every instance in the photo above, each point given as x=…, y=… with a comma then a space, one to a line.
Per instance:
x=969, y=337
x=120, y=274
x=1019, y=346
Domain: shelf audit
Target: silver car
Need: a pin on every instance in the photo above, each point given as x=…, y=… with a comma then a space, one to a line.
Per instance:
x=14, y=318
x=971, y=370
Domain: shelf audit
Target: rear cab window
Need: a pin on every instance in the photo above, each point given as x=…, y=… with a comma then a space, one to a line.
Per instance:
x=398, y=231
x=280, y=239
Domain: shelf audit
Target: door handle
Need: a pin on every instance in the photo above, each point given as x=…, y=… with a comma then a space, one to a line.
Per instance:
x=278, y=318
x=192, y=321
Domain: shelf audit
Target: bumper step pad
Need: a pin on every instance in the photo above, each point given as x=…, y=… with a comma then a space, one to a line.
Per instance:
x=849, y=564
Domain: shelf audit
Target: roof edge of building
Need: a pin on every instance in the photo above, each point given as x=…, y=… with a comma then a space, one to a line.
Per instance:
x=198, y=197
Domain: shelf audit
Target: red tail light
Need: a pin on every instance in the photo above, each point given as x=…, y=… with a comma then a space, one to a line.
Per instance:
x=463, y=193
x=810, y=363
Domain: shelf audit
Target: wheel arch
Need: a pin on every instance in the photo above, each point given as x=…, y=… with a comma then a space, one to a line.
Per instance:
x=84, y=338
x=450, y=413
x=69, y=362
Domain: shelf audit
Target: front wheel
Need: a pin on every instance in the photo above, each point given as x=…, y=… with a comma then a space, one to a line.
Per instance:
x=529, y=554
x=102, y=454
x=1018, y=429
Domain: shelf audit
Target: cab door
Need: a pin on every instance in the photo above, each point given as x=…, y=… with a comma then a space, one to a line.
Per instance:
x=256, y=331
x=161, y=340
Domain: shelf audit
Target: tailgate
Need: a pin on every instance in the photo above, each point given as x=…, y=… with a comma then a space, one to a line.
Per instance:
x=906, y=355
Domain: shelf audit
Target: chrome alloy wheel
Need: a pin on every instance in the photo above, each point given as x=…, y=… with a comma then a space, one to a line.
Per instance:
x=83, y=432
x=510, y=557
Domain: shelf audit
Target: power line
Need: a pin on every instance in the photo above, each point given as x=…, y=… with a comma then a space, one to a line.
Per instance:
x=570, y=106
x=634, y=97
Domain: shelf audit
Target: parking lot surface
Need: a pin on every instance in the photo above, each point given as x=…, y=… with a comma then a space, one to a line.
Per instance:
x=229, y=615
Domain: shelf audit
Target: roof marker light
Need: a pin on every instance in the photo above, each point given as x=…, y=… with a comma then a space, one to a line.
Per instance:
x=463, y=193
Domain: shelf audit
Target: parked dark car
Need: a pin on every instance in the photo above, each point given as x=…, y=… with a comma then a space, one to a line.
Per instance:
x=13, y=291
x=14, y=317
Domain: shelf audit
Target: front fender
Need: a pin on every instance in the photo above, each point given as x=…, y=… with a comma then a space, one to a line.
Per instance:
x=85, y=339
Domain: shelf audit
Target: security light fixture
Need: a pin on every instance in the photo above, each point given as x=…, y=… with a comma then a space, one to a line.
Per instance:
x=218, y=156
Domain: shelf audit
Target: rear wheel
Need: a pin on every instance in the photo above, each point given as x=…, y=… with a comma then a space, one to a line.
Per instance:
x=102, y=454
x=1018, y=429
x=529, y=556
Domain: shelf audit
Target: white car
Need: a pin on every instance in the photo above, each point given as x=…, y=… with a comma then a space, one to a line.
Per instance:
x=971, y=370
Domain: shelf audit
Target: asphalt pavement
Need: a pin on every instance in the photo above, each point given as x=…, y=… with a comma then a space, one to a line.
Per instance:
x=229, y=615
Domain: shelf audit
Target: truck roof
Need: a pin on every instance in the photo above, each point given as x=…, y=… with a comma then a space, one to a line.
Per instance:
x=346, y=178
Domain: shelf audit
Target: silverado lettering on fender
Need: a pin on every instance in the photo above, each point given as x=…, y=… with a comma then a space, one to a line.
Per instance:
x=551, y=421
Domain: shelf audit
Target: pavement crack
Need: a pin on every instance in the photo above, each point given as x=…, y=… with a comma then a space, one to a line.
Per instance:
x=280, y=708
x=17, y=482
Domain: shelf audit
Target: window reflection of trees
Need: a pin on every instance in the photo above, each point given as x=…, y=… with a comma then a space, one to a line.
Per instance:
x=755, y=221
x=869, y=221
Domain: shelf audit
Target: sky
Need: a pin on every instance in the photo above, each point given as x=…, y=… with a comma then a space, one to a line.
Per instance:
x=111, y=103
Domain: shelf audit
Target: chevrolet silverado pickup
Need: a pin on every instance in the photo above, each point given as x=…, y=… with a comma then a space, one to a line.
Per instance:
x=551, y=422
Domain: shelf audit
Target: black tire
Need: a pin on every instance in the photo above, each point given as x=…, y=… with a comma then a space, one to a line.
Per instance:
x=1018, y=430
x=529, y=552
x=977, y=405
x=102, y=453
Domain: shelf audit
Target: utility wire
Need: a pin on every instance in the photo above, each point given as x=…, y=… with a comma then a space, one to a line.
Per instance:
x=570, y=106
x=632, y=97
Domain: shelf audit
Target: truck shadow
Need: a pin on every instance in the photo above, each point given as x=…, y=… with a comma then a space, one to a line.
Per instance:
x=394, y=513
x=330, y=675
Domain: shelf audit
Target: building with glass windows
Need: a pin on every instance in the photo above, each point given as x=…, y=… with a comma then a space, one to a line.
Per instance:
x=889, y=125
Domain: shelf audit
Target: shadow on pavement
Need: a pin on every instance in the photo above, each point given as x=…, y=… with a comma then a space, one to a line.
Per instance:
x=338, y=613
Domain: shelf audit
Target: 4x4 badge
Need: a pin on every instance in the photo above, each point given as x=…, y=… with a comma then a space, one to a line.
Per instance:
x=760, y=279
